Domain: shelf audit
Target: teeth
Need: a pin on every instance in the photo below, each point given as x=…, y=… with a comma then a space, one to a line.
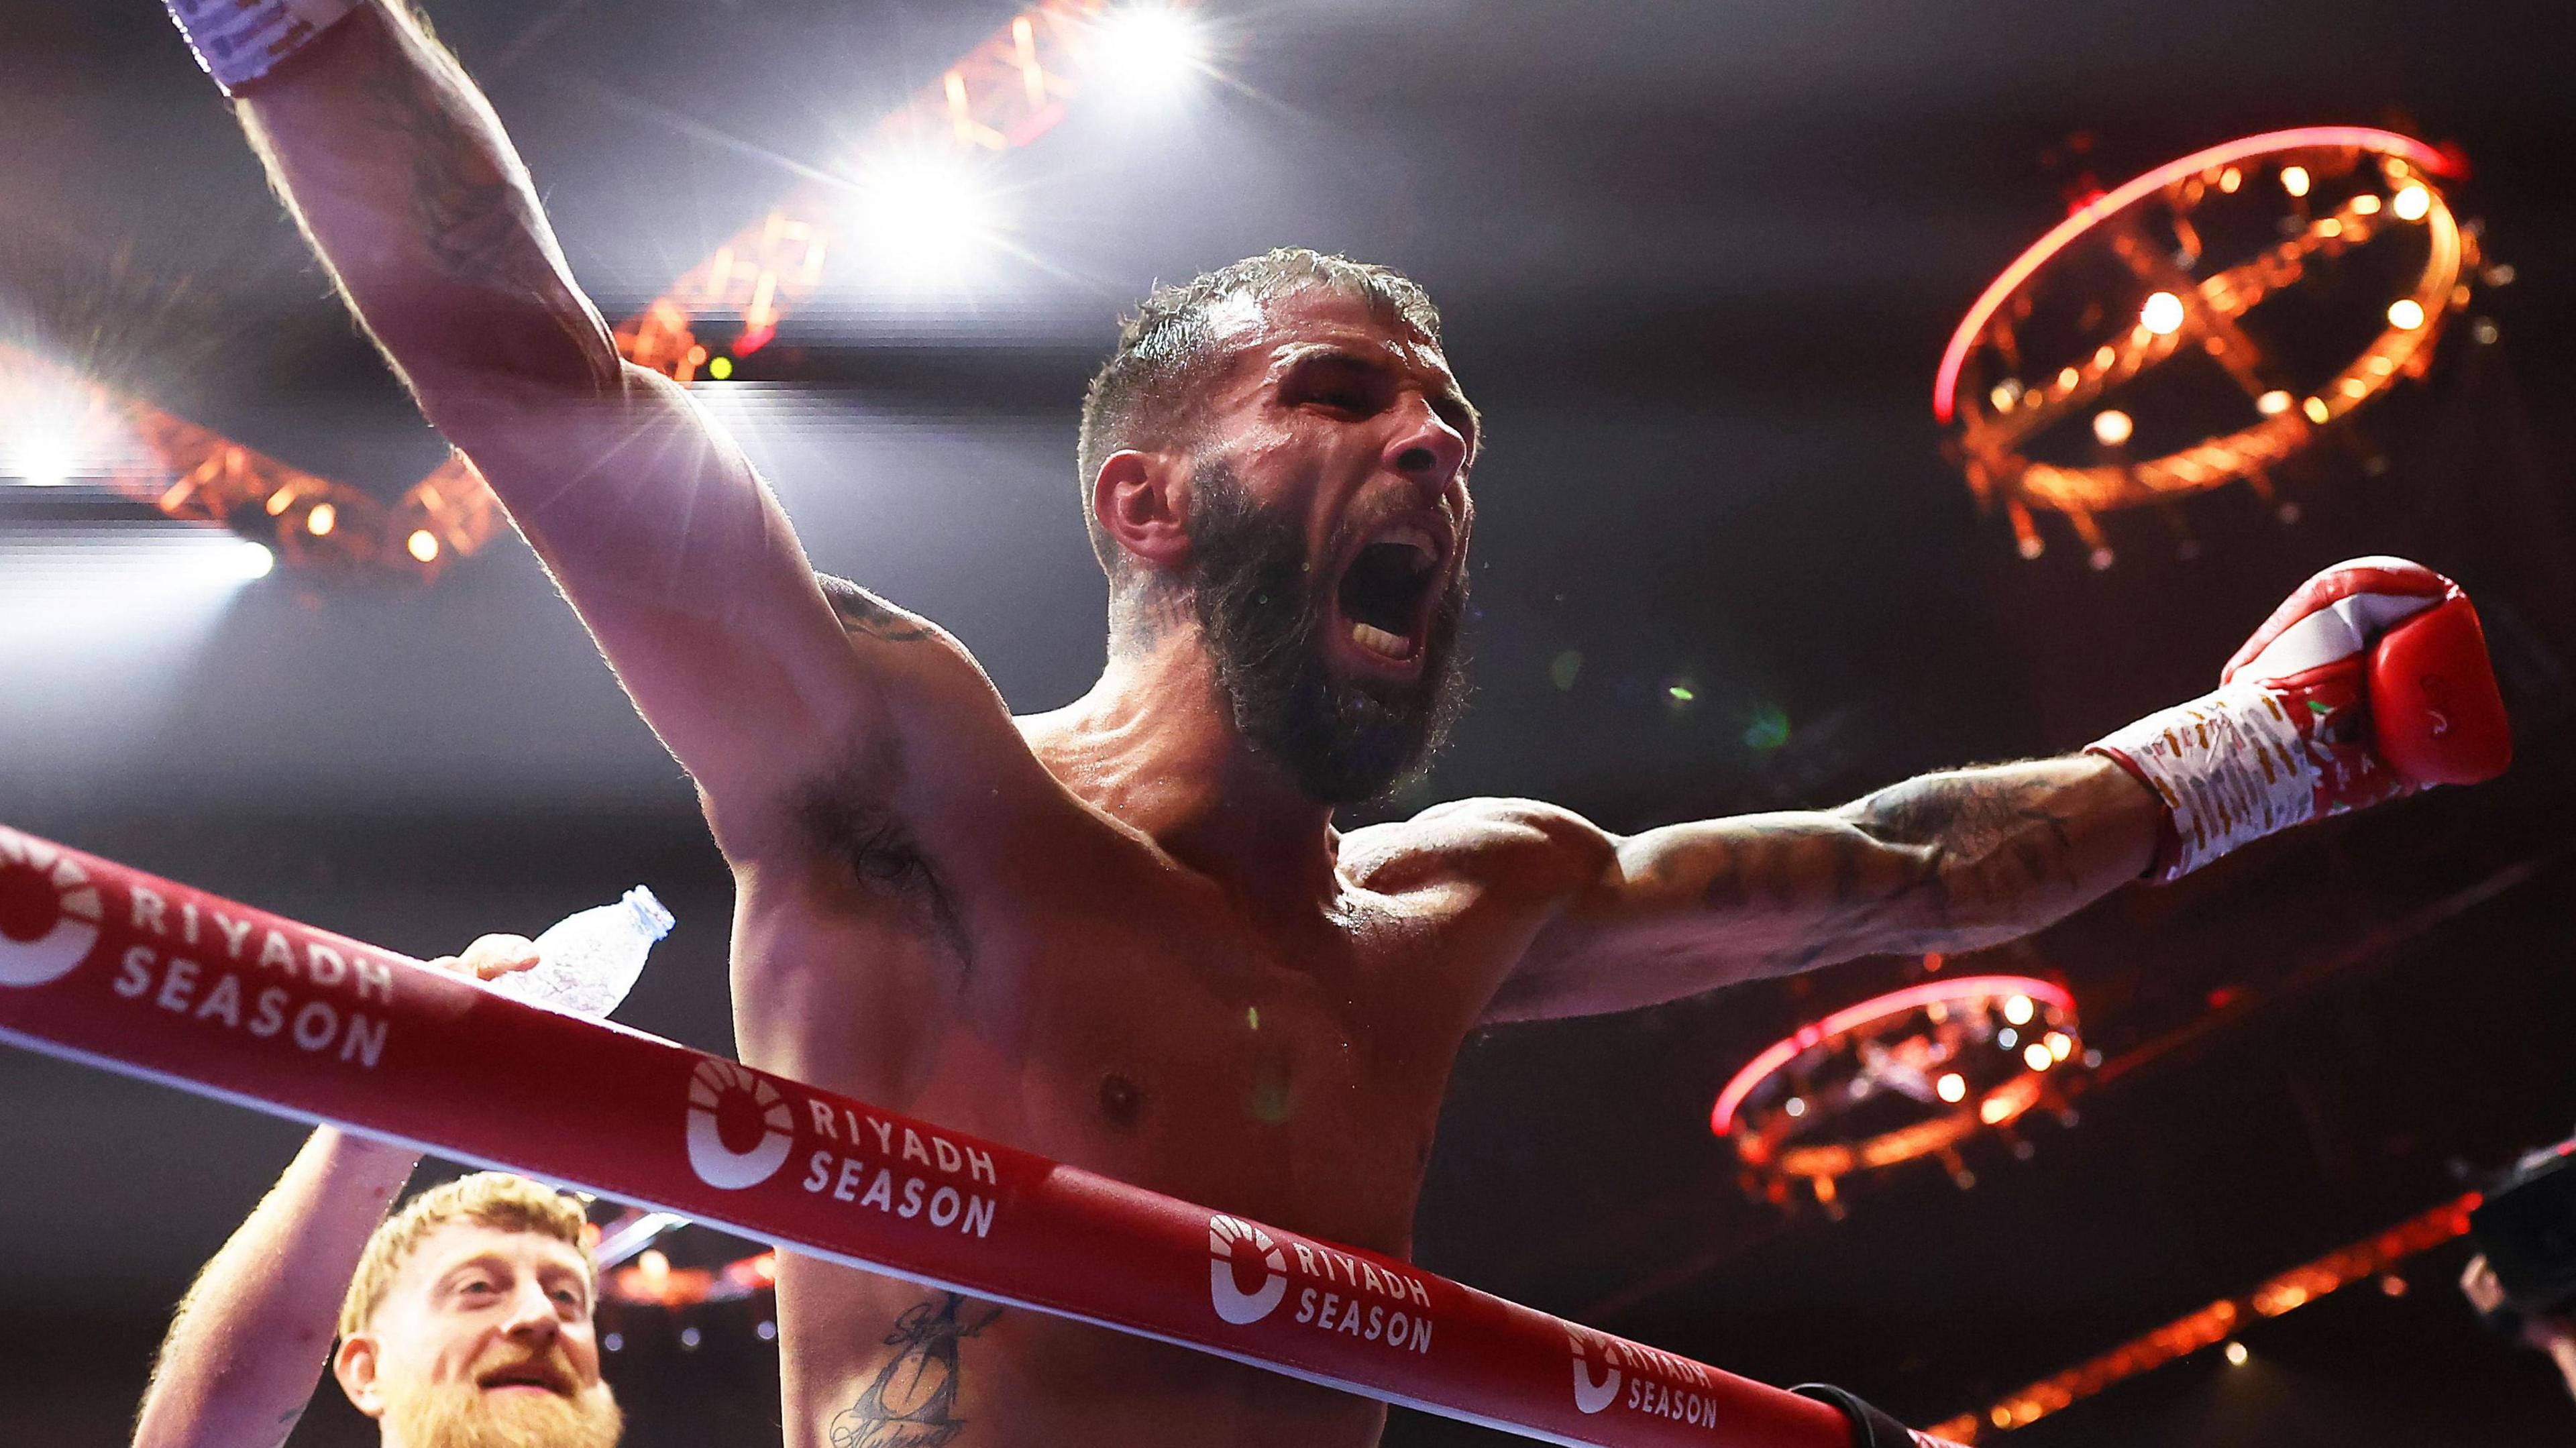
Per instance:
x=1378, y=641
x=1425, y=551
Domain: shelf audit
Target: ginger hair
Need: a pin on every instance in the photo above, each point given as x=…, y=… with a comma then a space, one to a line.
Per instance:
x=487, y=1199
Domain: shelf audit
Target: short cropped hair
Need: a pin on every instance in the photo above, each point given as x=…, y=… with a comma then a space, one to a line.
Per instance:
x=1149, y=391
x=492, y=1199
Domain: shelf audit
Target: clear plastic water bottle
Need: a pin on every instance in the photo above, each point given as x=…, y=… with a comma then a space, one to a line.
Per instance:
x=587, y=961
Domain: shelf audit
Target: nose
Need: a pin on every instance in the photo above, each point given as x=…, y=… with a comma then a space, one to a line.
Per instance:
x=1426, y=450
x=532, y=1315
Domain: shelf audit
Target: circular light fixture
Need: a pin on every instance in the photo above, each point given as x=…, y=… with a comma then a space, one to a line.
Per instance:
x=2205, y=254
x=1904, y=1075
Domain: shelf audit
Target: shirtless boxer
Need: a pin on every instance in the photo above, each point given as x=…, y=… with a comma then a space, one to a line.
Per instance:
x=1126, y=934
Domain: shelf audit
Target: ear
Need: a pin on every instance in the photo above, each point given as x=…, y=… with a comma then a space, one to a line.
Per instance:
x=1142, y=500
x=354, y=1364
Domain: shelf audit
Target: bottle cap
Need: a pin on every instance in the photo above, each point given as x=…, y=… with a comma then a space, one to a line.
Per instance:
x=649, y=912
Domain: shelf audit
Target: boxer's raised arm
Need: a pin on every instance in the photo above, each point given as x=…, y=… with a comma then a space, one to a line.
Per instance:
x=1947, y=861
x=249, y=1342
x=656, y=528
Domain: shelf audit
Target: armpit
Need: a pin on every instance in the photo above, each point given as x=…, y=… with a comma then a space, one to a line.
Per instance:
x=844, y=819
x=862, y=612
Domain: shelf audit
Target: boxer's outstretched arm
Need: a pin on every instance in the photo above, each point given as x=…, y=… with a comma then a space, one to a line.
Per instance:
x=674, y=552
x=1947, y=861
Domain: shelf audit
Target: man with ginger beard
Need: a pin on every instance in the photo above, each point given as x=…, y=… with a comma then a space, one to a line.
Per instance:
x=464, y=1320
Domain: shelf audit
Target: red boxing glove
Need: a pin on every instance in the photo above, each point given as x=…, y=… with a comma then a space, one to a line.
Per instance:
x=2370, y=682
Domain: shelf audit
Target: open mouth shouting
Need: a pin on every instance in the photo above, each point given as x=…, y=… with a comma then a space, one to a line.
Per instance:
x=523, y=1377
x=1383, y=603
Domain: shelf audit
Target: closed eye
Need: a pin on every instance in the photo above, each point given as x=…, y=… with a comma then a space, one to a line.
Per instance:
x=1348, y=385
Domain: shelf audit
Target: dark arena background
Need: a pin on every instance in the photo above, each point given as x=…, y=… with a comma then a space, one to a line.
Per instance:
x=1700, y=264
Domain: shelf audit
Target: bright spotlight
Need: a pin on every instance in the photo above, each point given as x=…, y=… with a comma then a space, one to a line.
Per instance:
x=2036, y=1057
x=2412, y=203
x=422, y=545
x=2405, y=314
x=1148, y=53
x=2060, y=1045
x=1952, y=1086
x=923, y=217
x=2294, y=179
x=2018, y=1010
x=2112, y=427
x=2162, y=314
x=110, y=576
x=2237, y=1355
x=322, y=520
x=45, y=439
x=2272, y=403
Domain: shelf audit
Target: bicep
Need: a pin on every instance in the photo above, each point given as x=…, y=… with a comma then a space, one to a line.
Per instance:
x=759, y=676
x=687, y=574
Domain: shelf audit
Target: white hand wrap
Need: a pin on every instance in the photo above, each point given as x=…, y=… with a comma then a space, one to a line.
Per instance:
x=2232, y=767
x=238, y=41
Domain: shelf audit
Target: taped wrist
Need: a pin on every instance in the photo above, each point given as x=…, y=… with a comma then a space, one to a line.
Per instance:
x=238, y=41
x=2230, y=766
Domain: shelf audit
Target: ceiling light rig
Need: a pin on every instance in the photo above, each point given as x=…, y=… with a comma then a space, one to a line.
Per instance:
x=2188, y=330
x=1910, y=1074
x=2373, y=1258
x=1008, y=91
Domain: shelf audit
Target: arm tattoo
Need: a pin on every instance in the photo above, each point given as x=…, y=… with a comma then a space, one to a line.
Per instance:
x=1945, y=861
x=473, y=214
x=862, y=612
x=1992, y=820
x=472, y=209
x=912, y=1402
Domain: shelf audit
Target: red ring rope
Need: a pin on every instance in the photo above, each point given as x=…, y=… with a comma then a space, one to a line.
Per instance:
x=116, y=968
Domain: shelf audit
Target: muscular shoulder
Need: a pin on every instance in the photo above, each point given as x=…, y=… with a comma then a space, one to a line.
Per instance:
x=1517, y=843
x=933, y=752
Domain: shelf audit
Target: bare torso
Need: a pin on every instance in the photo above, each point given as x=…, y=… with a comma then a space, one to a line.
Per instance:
x=1122, y=1012
x=1122, y=936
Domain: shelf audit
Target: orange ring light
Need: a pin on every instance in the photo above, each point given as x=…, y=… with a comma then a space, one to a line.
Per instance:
x=2415, y=153
x=1721, y=1118
x=2186, y=308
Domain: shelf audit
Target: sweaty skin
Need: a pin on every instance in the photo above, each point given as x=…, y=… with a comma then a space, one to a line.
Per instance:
x=1112, y=934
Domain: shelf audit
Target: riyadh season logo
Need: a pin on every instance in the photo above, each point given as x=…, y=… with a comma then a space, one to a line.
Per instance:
x=1589, y=1395
x=49, y=912
x=1233, y=1303
x=713, y=1086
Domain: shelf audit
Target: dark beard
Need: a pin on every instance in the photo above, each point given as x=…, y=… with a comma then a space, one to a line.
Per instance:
x=1263, y=612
